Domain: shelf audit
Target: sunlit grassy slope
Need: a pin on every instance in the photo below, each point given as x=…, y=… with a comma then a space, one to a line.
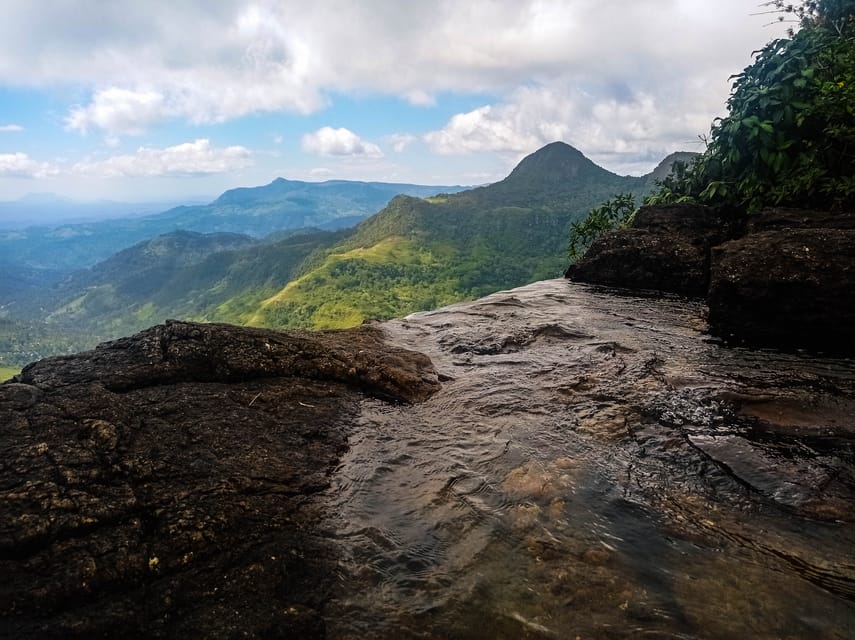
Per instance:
x=392, y=277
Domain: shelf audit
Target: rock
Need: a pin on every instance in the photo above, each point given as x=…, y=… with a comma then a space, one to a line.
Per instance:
x=775, y=218
x=696, y=224
x=162, y=485
x=781, y=278
x=666, y=249
x=638, y=259
x=792, y=288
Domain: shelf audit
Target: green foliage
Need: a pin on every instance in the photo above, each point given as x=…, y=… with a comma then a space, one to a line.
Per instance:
x=789, y=136
x=612, y=214
x=391, y=278
x=6, y=373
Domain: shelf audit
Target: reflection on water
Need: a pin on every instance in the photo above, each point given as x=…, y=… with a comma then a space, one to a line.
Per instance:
x=594, y=467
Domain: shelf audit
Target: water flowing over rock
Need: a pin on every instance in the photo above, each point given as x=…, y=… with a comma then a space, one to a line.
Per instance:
x=592, y=466
x=160, y=485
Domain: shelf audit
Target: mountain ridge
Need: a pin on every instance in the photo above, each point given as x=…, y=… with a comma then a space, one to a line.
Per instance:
x=412, y=255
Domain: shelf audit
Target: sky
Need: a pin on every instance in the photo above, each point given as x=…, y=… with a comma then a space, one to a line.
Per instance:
x=171, y=99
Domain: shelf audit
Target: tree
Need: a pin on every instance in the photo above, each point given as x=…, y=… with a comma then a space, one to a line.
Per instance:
x=612, y=214
x=789, y=136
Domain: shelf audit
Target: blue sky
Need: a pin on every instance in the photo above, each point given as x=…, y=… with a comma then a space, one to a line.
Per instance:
x=163, y=100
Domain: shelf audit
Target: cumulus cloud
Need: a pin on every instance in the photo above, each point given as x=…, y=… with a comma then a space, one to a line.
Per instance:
x=20, y=165
x=247, y=57
x=610, y=76
x=10, y=128
x=328, y=141
x=187, y=159
x=622, y=129
x=118, y=111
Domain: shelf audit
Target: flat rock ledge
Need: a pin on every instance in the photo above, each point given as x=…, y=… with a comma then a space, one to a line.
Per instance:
x=164, y=485
x=783, y=278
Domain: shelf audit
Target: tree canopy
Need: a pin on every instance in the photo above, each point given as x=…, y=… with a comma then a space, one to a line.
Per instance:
x=789, y=135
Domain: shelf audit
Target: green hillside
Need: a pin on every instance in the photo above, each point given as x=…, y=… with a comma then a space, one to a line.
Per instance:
x=179, y=275
x=417, y=254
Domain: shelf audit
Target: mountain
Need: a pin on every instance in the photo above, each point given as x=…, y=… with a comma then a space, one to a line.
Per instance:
x=664, y=168
x=418, y=254
x=415, y=254
x=256, y=211
x=51, y=209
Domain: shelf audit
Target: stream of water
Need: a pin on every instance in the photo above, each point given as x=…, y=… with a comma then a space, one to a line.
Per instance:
x=595, y=466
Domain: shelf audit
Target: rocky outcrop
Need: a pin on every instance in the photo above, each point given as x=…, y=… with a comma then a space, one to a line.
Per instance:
x=784, y=277
x=162, y=485
x=790, y=287
x=639, y=259
x=666, y=249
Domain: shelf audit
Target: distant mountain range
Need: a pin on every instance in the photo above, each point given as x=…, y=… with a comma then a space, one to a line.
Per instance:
x=416, y=253
x=257, y=211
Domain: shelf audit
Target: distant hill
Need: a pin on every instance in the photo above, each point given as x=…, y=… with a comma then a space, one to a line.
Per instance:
x=182, y=274
x=664, y=168
x=414, y=254
x=256, y=211
x=421, y=253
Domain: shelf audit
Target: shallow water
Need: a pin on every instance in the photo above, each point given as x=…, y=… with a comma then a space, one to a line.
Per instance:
x=596, y=467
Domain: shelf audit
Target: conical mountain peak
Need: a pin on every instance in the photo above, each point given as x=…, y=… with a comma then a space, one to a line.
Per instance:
x=556, y=164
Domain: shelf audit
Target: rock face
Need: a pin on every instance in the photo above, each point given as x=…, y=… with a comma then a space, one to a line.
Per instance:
x=792, y=287
x=161, y=485
x=783, y=278
x=666, y=248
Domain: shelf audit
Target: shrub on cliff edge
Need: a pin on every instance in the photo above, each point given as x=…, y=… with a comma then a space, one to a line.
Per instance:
x=789, y=136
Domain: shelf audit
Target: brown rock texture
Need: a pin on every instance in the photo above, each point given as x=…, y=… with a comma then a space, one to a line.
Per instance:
x=783, y=278
x=162, y=485
x=790, y=287
x=665, y=249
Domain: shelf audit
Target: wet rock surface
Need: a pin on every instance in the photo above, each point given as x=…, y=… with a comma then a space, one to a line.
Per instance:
x=592, y=466
x=165, y=485
x=596, y=467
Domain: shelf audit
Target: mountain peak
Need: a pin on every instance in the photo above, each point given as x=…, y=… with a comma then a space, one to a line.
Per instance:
x=556, y=163
x=664, y=168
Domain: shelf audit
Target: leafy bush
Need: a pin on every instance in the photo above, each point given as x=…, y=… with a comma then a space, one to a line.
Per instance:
x=612, y=214
x=789, y=136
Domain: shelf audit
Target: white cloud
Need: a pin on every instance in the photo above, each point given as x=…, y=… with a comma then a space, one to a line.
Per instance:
x=401, y=141
x=118, y=111
x=187, y=159
x=327, y=141
x=20, y=165
x=10, y=128
x=142, y=66
x=620, y=128
x=621, y=80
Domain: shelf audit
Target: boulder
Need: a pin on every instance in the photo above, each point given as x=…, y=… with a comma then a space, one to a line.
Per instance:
x=665, y=249
x=787, y=288
x=639, y=259
x=166, y=485
x=693, y=223
x=784, y=218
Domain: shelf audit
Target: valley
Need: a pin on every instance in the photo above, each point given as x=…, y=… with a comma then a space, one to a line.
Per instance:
x=290, y=254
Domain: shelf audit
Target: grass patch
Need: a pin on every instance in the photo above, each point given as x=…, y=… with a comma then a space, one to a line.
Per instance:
x=7, y=372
